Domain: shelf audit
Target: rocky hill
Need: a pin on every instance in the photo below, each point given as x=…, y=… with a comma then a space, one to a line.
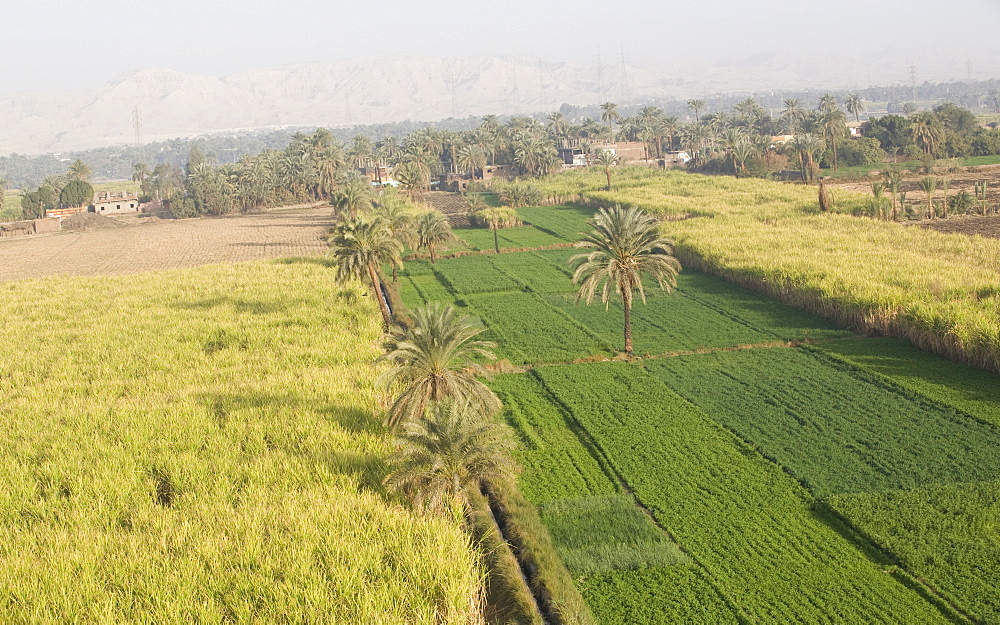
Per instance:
x=401, y=87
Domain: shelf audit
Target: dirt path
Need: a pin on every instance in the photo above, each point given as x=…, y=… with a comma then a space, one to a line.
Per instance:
x=165, y=244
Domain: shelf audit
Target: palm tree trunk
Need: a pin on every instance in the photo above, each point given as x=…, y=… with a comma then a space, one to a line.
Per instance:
x=377, y=293
x=627, y=305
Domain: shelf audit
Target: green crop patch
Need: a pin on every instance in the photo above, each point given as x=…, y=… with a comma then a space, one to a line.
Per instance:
x=409, y=292
x=834, y=426
x=973, y=391
x=556, y=465
x=475, y=274
x=599, y=534
x=750, y=525
x=756, y=310
x=665, y=323
x=534, y=272
x=540, y=332
x=944, y=534
x=431, y=289
x=566, y=221
x=676, y=594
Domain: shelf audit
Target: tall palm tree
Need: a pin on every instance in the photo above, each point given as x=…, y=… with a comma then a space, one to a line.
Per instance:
x=360, y=246
x=453, y=448
x=855, y=106
x=625, y=245
x=834, y=127
x=396, y=214
x=610, y=116
x=927, y=132
x=606, y=159
x=696, y=106
x=435, y=359
x=432, y=229
x=793, y=114
x=471, y=158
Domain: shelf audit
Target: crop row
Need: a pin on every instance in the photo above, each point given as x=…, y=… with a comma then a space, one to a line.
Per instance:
x=837, y=428
x=746, y=521
x=946, y=535
x=596, y=529
x=566, y=222
x=677, y=594
x=973, y=391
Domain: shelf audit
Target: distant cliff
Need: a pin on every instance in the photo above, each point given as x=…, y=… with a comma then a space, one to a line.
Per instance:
x=413, y=87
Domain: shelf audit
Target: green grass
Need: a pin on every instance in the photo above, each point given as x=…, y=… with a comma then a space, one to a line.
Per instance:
x=944, y=534
x=528, y=330
x=204, y=445
x=600, y=534
x=675, y=594
x=973, y=391
x=746, y=521
x=835, y=427
x=564, y=222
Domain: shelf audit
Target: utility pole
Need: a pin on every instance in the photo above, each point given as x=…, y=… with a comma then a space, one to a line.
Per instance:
x=913, y=82
x=542, y=100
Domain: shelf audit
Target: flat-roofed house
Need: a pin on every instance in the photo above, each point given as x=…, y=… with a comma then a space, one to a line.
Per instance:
x=116, y=203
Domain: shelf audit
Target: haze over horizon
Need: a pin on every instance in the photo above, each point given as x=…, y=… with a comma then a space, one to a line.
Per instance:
x=61, y=45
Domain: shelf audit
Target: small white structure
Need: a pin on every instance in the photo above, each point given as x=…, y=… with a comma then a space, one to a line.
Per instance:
x=115, y=203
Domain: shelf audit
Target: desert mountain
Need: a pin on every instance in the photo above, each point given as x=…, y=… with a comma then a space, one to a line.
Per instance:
x=401, y=87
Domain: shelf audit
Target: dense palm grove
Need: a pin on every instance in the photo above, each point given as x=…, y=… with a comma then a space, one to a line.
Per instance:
x=741, y=141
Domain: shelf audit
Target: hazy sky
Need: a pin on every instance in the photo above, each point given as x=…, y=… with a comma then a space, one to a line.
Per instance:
x=61, y=44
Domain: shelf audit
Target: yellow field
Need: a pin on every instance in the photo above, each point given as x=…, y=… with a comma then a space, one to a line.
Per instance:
x=204, y=445
x=941, y=291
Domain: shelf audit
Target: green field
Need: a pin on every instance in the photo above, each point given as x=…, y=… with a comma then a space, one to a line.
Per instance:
x=781, y=481
x=204, y=445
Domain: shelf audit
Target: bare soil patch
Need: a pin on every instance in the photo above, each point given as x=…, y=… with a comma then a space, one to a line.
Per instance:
x=981, y=225
x=155, y=244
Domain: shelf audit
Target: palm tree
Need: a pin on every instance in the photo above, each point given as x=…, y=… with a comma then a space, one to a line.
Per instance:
x=355, y=195
x=452, y=449
x=695, y=105
x=610, y=116
x=793, y=114
x=471, y=157
x=432, y=229
x=927, y=132
x=434, y=359
x=362, y=245
x=834, y=127
x=626, y=244
x=79, y=171
x=855, y=106
x=929, y=185
x=396, y=215
x=607, y=160
x=893, y=182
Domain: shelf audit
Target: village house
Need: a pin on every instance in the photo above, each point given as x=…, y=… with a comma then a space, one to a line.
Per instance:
x=115, y=203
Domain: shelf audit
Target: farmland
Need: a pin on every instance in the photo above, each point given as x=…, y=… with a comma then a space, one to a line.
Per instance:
x=937, y=290
x=165, y=244
x=204, y=445
x=734, y=475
